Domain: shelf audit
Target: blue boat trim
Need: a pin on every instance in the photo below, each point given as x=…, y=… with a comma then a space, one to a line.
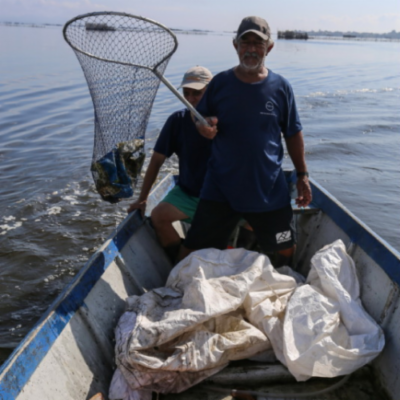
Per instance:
x=359, y=233
x=27, y=356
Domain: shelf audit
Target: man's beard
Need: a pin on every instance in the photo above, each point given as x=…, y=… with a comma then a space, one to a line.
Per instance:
x=252, y=67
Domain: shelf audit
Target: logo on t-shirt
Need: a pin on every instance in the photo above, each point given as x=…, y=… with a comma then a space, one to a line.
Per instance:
x=269, y=106
x=283, y=236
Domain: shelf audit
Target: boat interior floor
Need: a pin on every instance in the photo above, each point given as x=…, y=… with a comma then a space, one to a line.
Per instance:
x=275, y=379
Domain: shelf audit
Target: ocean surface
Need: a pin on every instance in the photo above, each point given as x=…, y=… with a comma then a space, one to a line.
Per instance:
x=51, y=218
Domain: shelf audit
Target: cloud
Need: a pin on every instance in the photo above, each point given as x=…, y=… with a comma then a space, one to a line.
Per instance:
x=369, y=23
x=46, y=10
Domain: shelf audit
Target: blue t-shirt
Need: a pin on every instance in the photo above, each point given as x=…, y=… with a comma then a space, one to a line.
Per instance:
x=179, y=135
x=245, y=163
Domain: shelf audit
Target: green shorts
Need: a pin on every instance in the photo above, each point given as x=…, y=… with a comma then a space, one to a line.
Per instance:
x=183, y=202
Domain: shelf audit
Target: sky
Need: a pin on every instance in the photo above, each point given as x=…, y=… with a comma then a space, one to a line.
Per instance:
x=378, y=16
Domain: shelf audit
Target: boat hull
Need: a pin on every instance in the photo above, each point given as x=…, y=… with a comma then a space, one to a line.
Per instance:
x=69, y=353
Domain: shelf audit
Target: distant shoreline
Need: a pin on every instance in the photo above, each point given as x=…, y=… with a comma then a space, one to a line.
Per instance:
x=357, y=39
x=323, y=35
x=355, y=35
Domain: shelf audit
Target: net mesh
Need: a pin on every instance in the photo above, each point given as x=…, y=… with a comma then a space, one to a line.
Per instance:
x=120, y=55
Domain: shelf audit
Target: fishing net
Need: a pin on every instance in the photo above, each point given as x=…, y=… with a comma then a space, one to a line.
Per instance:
x=122, y=57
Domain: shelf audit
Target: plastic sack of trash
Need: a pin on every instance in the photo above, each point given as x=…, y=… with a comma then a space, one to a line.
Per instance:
x=220, y=306
x=120, y=390
x=116, y=173
x=326, y=331
x=173, y=337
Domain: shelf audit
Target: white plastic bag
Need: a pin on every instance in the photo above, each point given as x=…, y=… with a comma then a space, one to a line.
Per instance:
x=174, y=337
x=326, y=331
x=120, y=390
x=219, y=306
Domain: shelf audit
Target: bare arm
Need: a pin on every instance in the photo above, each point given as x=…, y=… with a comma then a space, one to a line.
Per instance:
x=295, y=148
x=156, y=161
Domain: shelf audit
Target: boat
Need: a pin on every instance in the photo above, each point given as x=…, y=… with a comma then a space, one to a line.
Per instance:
x=92, y=26
x=69, y=353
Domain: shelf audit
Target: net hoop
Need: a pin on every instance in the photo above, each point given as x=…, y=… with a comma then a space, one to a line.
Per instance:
x=93, y=14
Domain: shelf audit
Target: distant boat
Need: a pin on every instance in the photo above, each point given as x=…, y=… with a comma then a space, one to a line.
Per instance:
x=91, y=26
x=292, y=35
x=349, y=36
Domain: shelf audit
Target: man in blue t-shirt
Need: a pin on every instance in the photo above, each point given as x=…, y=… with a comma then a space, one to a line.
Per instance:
x=249, y=108
x=179, y=135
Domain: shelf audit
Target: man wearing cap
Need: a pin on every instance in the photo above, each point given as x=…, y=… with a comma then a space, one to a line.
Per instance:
x=249, y=108
x=179, y=135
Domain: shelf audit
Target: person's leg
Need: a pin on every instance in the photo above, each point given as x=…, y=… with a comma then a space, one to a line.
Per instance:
x=162, y=218
x=275, y=232
x=247, y=226
x=285, y=257
x=246, y=237
x=176, y=206
x=212, y=227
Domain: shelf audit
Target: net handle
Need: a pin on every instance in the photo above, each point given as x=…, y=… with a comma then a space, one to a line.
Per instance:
x=155, y=72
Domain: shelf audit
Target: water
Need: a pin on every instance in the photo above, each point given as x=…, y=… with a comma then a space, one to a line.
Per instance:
x=52, y=220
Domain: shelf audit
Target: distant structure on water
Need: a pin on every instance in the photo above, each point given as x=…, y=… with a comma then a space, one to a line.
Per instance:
x=292, y=35
x=349, y=36
x=90, y=26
